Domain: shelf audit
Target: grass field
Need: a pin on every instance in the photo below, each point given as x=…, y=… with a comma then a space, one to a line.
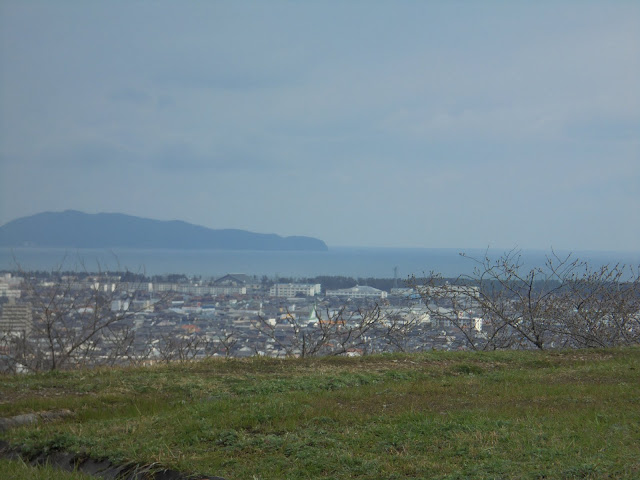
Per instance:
x=19, y=470
x=440, y=415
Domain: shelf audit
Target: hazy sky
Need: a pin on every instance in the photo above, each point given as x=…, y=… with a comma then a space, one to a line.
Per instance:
x=415, y=123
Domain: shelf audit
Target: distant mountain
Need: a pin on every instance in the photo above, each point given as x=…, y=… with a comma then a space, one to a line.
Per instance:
x=73, y=229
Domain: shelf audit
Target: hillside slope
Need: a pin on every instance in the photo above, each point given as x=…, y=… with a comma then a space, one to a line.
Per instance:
x=438, y=415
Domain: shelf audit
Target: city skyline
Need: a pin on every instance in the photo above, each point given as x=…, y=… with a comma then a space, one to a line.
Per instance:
x=430, y=124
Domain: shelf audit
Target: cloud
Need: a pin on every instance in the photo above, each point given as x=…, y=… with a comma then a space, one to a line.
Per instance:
x=463, y=112
x=131, y=96
x=88, y=155
x=604, y=128
x=183, y=158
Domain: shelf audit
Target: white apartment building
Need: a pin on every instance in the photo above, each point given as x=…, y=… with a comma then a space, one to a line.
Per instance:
x=357, y=292
x=16, y=318
x=449, y=291
x=10, y=286
x=8, y=292
x=190, y=289
x=292, y=289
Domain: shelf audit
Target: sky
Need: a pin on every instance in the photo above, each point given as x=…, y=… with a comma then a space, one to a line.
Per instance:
x=438, y=124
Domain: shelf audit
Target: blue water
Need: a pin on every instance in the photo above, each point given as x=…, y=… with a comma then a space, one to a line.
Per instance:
x=347, y=261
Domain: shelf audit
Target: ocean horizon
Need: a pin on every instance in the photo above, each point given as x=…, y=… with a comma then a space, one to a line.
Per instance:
x=378, y=262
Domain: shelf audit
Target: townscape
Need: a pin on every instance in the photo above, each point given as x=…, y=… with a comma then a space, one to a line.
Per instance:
x=69, y=319
x=236, y=315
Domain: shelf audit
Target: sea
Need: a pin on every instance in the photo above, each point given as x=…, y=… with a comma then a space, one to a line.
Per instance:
x=357, y=262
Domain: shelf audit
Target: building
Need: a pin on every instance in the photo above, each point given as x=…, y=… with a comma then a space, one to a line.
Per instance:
x=9, y=286
x=189, y=289
x=451, y=291
x=357, y=292
x=288, y=290
x=238, y=280
x=7, y=292
x=16, y=318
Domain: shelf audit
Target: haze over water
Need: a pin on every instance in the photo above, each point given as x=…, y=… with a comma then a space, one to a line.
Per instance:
x=347, y=261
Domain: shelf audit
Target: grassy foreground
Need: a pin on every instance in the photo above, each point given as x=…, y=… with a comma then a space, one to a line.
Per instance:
x=521, y=415
x=18, y=470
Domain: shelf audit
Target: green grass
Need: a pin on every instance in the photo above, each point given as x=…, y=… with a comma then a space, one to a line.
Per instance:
x=18, y=470
x=521, y=415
